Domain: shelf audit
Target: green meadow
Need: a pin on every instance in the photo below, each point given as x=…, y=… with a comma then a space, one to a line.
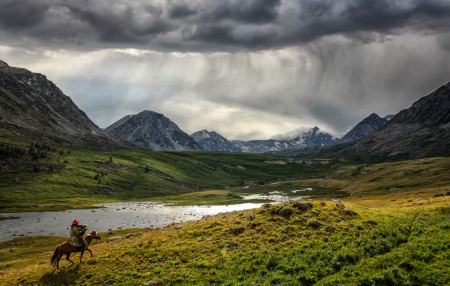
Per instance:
x=372, y=224
x=37, y=177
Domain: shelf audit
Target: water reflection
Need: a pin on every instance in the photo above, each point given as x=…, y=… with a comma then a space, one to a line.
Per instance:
x=109, y=216
x=277, y=196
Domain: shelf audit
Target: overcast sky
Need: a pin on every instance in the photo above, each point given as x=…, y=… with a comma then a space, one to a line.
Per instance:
x=245, y=69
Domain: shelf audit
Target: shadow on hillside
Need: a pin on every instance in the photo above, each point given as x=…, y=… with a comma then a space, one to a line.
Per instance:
x=62, y=276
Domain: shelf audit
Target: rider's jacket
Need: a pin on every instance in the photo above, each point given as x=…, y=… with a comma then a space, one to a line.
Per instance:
x=75, y=235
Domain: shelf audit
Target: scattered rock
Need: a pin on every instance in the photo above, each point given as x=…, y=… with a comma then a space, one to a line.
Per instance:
x=237, y=230
x=151, y=283
x=44, y=262
x=330, y=228
x=323, y=203
x=340, y=205
x=438, y=195
x=285, y=212
x=287, y=229
x=448, y=193
x=12, y=250
x=316, y=212
x=409, y=201
x=114, y=238
x=109, y=282
x=109, y=232
x=266, y=206
x=314, y=223
x=129, y=235
x=2, y=272
x=348, y=212
x=393, y=200
x=303, y=206
x=371, y=222
x=251, y=217
x=336, y=201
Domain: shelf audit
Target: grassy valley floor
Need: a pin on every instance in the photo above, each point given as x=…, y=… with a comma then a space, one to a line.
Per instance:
x=391, y=228
x=296, y=243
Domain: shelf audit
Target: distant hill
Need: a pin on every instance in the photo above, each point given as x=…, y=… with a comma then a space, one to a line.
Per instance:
x=365, y=127
x=423, y=130
x=311, y=138
x=212, y=141
x=154, y=131
x=31, y=106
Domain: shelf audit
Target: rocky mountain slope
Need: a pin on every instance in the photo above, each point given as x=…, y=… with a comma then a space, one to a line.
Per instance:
x=365, y=127
x=32, y=106
x=423, y=130
x=154, y=131
x=313, y=137
x=212, y=141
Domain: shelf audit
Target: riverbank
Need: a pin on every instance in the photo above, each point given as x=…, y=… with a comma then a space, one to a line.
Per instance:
x=299, y=243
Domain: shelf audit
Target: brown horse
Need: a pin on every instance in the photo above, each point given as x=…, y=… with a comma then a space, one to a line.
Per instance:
x=67, y=248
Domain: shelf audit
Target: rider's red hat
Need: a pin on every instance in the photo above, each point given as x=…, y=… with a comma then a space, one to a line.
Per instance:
x=74, y=221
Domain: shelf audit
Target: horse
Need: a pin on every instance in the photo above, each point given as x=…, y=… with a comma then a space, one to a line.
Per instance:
x=67, y=248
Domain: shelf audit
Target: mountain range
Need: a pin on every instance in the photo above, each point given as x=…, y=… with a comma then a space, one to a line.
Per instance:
x=423, y=130
x=312, y=137
x=32, y=106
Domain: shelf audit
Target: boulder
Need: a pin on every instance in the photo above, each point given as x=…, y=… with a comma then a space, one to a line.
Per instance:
x=303, y=206
x=371, y=222
x=237, y=230
x=348, y=212
x=114, y=238
x=330, y=228
x=340, y=205
x=109, y=282
x=314, y=223
x=285, y=212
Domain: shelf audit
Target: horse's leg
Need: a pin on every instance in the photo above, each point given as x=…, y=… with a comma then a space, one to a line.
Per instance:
x=81, y=255
x=89, y=251
x=68, y=257
x=59, y=258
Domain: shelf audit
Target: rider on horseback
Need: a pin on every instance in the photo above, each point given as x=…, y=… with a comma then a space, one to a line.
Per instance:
x=76, y=233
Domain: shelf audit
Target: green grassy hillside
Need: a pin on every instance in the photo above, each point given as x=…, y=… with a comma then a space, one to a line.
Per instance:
x=35, y=176
x=396, y=234
x=288, y=244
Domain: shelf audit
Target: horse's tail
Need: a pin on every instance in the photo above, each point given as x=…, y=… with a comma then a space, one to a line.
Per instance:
x=54, y=259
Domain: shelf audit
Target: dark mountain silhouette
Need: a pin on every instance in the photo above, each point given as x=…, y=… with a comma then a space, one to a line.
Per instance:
x=423, y=130
x=363, y=128
x=212, y=141
x=154, y=131
x=31, y=106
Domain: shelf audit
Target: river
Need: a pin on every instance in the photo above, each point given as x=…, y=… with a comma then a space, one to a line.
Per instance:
x=108, y=216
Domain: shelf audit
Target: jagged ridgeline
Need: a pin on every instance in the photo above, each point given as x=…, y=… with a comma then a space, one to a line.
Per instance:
x=422, y=130
x=33, y=107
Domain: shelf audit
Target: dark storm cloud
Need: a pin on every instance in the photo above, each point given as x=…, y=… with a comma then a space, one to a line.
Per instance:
x=14, y=15
x=226, y=25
